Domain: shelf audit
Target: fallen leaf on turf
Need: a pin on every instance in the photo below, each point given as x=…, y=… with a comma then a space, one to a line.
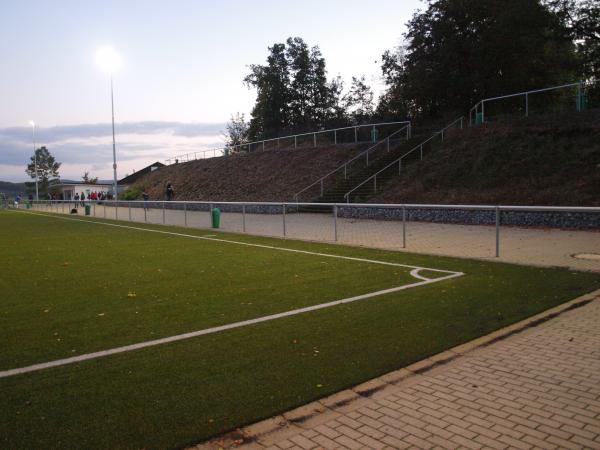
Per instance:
x=131, y=294
x=319, y=385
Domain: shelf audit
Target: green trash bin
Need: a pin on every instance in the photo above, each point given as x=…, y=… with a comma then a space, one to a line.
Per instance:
x=28, y=205
x=479, y=118
x=88, y=208
x=216, y=217
x=374, y=135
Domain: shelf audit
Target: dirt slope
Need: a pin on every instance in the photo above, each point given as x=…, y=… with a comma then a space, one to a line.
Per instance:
x=273, y=175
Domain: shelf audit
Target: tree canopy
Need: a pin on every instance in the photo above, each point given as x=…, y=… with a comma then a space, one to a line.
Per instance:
x=47, y=168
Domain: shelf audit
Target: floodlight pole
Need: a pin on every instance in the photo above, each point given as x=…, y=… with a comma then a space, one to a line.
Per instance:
x=37, y=195
x=112, y=105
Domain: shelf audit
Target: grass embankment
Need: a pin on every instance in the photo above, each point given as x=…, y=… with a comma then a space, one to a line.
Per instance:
x=66, y=290
x=549, y=160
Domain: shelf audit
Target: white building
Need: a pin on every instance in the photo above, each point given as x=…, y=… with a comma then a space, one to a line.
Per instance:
x=67, y=191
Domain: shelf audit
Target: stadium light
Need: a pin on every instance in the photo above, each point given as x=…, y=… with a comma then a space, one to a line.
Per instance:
x=32, y=125
x=110, y=61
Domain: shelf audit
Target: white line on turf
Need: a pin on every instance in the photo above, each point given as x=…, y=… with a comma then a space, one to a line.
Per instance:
x=193, y=334
x=248, y=244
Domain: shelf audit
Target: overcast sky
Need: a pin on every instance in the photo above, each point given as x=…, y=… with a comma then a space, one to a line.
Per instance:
x=181, y=79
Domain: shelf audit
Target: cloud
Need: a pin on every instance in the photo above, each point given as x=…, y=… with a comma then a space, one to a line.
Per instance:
x=88, y=147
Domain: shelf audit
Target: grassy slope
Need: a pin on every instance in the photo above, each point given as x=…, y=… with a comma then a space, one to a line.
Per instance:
x=541, y=161
x=169, y=396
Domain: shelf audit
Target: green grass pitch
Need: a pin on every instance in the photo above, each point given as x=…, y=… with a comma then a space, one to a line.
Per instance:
x=73, y=287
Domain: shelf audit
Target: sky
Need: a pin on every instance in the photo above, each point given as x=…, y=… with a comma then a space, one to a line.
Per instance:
x=181, y=77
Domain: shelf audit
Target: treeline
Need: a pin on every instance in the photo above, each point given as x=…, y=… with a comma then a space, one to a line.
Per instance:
x=455, y=53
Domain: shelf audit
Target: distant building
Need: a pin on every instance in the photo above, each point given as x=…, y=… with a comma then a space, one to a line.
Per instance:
x=67, y=191
x=135, y=176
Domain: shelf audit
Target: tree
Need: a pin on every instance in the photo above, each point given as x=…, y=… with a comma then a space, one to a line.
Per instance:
x=236, y=133
x=47, y=168
x=89, y=180
x=271, y=112
x=460, y=51
x=359, y=101
x=292, y=90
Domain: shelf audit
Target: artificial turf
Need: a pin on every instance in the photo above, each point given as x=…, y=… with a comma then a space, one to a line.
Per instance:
x=67, y=289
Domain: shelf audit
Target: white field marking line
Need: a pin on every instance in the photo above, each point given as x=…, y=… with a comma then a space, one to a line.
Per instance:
x=179, y=337
x=193, y=334
x=248, y=244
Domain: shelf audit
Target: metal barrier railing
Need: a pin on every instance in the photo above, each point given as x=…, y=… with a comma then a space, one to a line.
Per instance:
x=399, y=160
x=477, y=114
x=293, y=141
x=384, y=143
x=288, y=218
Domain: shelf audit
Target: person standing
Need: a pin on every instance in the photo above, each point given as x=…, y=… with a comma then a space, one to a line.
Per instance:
x=170, y=193
x=146, y=197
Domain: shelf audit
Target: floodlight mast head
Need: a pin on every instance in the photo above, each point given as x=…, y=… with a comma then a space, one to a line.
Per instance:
x=108, y=59
x=31, y=123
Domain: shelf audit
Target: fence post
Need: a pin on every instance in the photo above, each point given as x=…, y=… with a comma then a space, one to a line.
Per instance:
x=355, y=135
x=104, y=208
x=164, y=221
x=367, y=157
x=145, y=212
x=345, y=171
x=295, y=141
x=314, y=139
x=244, y=218
x=403, y=226
x=335, y=137
x=263, y=145
x=210, y=209
x=116, y=209
x=283, y=209
x=442, y=135
x=497, y=231
x=526, y=105
x=399, y=166
x=185, y=214
x=482, y=112
x=335, y=228
x=94, y=210
x=388, y=144
x=129, y=208
x=375, y=183
x=421, y=152
x=461, y=123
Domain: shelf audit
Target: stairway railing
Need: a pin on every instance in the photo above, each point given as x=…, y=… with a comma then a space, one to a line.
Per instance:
x=384, y=143
x=399, y=160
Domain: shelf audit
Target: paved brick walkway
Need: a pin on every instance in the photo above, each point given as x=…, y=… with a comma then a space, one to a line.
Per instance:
x=536, y=388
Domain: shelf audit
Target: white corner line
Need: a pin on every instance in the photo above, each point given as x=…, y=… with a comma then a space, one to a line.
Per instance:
x=193, y=334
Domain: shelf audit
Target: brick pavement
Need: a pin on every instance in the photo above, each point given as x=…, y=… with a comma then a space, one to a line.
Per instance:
x=531, y=385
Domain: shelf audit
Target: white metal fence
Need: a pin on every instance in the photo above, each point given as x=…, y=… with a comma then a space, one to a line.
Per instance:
x=459, y=230
x=334, y=136
x=573, y=96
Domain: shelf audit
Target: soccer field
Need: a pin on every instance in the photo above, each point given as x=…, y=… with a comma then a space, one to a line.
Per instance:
x=129, y=335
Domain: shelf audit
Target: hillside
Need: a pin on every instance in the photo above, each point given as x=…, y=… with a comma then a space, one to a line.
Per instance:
x=550, y=160
x=11, y=189
x=273, y=175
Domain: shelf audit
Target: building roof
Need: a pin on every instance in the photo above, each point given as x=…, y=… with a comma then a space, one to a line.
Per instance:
x=130, y=179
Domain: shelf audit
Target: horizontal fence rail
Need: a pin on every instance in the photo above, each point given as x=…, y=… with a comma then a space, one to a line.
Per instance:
x=398, y=162
x=350, y=134
x=367, y=224
x=477, y=114
x=365, y=154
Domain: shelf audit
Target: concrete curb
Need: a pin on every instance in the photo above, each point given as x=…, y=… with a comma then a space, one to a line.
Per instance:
x=267, y=432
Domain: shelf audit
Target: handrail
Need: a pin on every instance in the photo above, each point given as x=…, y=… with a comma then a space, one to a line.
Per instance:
x=407, y=127
x=293, y=136
x=399, y=160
